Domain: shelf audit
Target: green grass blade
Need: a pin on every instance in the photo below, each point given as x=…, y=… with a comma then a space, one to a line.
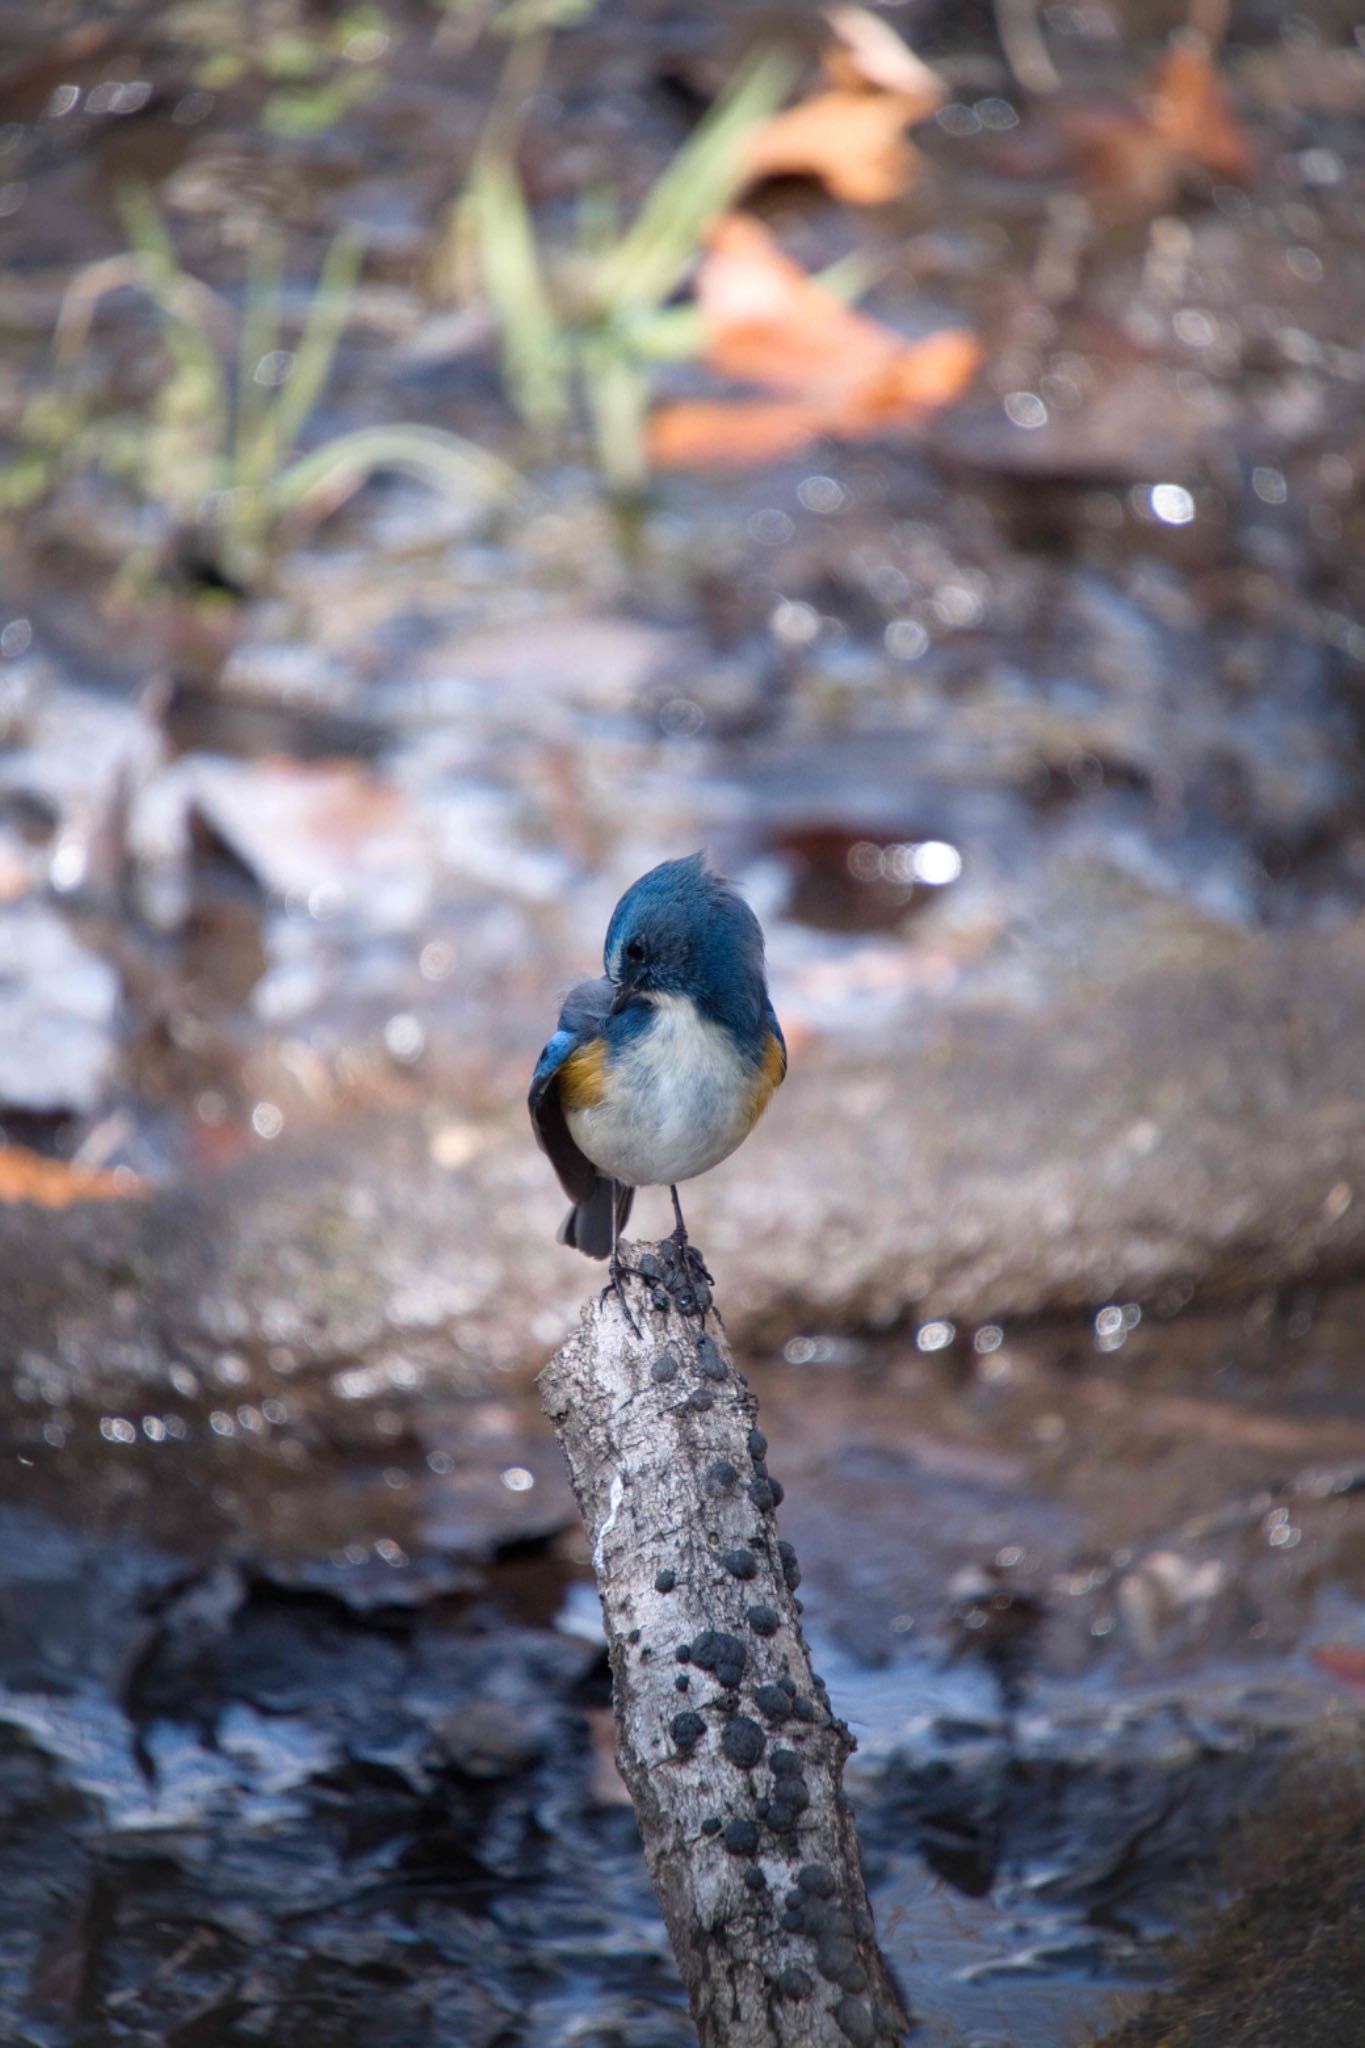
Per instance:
x=254, y=455
x=652, y=257
x=537, y=17
x=146, y=230
x=329, y=309
x=849, y=277
x=445, y=462
x=673, y=334
x=617, y=394
x=199, y=376
x=533, y=347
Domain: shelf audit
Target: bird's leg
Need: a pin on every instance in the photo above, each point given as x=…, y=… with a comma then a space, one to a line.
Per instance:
x=614, y=1284
x=691, y=1258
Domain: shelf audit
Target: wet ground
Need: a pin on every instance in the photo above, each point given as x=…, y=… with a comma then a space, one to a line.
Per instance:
x=305, y=1709
x=1037, y=743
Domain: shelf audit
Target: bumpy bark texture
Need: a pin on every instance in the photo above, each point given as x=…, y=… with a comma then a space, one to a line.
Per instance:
x=725, y=1736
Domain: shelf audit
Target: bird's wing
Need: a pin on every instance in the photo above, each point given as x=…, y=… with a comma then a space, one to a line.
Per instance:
x=585, y=1011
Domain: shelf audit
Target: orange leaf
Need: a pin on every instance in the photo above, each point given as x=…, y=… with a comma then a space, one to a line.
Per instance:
x=1122, y=155
x=852, y=138
x=853, y=142
x=1342, y=1662
x=1141, y=155
x=924, y=376
x=734, y=434
x=51, y=1184
x=1192, y=112
x=767, y=322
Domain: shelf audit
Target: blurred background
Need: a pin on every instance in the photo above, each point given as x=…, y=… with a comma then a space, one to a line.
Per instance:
x=455, y=454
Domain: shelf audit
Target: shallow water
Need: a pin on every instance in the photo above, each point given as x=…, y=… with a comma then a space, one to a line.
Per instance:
x=305, y=1717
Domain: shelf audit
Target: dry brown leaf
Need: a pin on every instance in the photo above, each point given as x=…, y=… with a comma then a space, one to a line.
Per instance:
x=767, y=322
x=853, y=142
x=27, y=1176
x=1139, y=155
x=852, y=136
x=1342, y=1662
x=867, y=53
x=717, y=433
x=1191, y=110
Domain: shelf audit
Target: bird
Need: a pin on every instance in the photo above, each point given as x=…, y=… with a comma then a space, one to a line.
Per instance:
x=660, y=1068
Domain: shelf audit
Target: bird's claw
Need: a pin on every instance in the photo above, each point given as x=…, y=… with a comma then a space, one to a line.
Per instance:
x=685, y=1277
x=697, y=1264
x=614, y=1286
x=689, y=1260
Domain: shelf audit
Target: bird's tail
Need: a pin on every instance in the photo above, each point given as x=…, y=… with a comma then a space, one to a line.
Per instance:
x=587, y=1227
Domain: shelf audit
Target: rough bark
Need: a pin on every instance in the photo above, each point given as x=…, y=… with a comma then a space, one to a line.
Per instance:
x=725, y=1736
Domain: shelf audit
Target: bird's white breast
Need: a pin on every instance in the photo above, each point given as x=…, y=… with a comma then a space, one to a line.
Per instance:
x=676, y=1100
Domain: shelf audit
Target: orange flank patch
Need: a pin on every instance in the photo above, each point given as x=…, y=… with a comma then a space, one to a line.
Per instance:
x=769, y=323
x=770, y=1076
x=582, y=1078
x=51, y=1184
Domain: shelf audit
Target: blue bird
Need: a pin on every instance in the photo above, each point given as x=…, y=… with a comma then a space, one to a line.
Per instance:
x=659, y=1070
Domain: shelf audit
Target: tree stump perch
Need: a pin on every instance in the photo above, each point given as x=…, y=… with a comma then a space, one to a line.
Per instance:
x=724, y=1735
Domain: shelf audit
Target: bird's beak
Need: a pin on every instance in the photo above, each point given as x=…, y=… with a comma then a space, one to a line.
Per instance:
x=625, y=991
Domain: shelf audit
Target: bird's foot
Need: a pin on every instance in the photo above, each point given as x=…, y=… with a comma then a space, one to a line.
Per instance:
x=687, y=1258
x=614, y=1286
x=686, y=1254
x=697, y=1264
x=685, y=1276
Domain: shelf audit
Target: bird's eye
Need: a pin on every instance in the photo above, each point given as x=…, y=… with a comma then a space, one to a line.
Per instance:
x=635, y=949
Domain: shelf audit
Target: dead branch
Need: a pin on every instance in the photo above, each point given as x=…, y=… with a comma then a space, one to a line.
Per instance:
x=725, y=1736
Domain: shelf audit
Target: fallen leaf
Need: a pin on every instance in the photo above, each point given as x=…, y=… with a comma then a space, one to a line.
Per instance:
x=866, y=51
x=27, y=1176
x=731, y=434
x=852, y=135
x=1141, y=154
x=1191, y=110
x=1342, y=1662
x=853, y=142
x=767, y=322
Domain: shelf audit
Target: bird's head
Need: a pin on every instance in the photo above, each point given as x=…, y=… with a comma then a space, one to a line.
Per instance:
x=681, y=931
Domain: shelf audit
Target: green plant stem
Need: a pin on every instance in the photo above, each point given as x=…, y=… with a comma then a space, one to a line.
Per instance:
x=340, y=466
x=617, y=393
x=254, y=453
